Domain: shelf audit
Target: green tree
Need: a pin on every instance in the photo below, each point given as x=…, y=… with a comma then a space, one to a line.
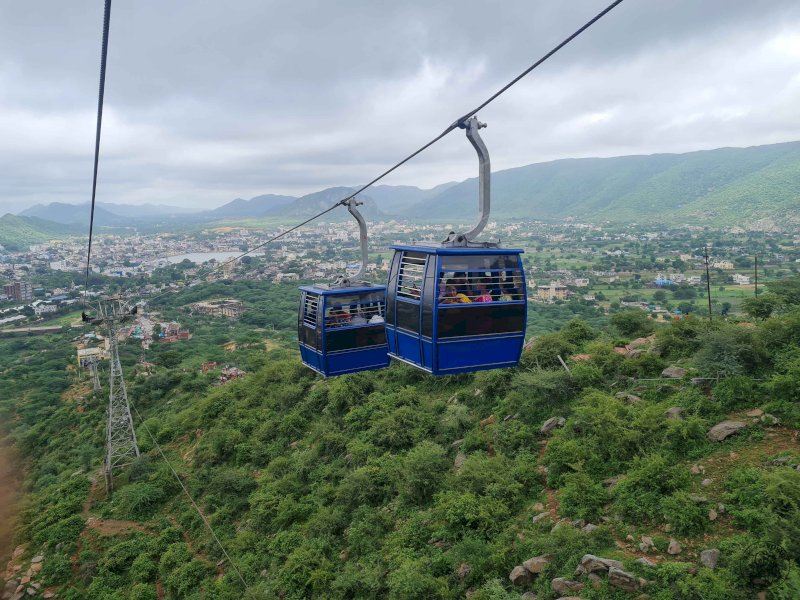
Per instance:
x=632, y=323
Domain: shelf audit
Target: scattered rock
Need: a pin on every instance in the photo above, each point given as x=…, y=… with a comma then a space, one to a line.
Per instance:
x=461, y=458
x=49, y=594
x=646, y=562
x=712, y=515
x=675, y=413
x=706, y=482
x=754, y=412
x=35, y=568
x=721, y=509
x=629, y=538
x=520, y=575
x=612, y=481
x=541, y=517
x=528, y=596
x=578, y=523
x=769, y=419
x=592, y=563
x=37, y=559
x=674, y=547
x=457, y=444
x=464, y=569
x=710, y=558
x=589, y=528
x=537, y=564
x=698, y=499
x=698, y=380
x=646, y=544
x=490, y=420
x=478, y=392
x=696, y=469
x=622, y=580
x=551, y=423
x=674, y=372
x=780, y=461
x=538, y=506
x=344, y=555
x=720, y=431
x=627, y=398
x=564, y=586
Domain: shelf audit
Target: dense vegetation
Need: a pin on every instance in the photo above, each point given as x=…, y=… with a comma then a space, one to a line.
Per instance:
x=726, y=186
x=394, y=484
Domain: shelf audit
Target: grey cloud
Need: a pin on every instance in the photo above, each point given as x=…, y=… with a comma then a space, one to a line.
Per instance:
x=207, y=101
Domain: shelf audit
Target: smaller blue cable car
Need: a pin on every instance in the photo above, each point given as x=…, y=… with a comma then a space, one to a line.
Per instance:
x=462, y=306
x=341, y=326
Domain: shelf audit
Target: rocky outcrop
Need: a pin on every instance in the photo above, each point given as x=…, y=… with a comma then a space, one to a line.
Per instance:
x=709, y=558
x=623, y=580
x=675, y=413
x=674, y=372
x=551, y=424
x=723, y=430
x=564, y=586
x=537, y=564
x=593, y=564
x=520, y=575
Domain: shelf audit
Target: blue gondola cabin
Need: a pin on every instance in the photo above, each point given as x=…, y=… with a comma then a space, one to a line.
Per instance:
x=456, y=309
x=341, y=329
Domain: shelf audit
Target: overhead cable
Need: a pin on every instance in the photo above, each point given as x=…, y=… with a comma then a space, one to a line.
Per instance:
x=188, y=495
x=101, y=92
x=455, y=125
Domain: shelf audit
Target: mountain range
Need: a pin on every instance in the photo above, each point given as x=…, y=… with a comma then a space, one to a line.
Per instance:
x=759, y=185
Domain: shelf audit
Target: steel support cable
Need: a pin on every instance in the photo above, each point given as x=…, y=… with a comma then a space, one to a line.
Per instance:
x=188, y=495
x=101, y=93
x=453, y=126
x=457, y=123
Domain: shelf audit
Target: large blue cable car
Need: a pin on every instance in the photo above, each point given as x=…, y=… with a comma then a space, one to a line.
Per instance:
x=341, y=325
x=462, y=306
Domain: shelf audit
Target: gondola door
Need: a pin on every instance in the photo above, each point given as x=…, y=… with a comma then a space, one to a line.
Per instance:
x=405, y=316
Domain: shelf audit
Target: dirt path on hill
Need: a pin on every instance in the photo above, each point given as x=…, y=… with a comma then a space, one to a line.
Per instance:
x=9, y=495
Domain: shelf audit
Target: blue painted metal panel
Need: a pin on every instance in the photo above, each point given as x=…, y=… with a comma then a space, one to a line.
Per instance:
x=480, y=351
x=347, y=359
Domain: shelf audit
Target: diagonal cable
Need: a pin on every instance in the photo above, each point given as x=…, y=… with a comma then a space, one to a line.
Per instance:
x=100, y=94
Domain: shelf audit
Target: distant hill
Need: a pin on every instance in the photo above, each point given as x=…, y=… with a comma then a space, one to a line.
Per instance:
x=260, y=206
x=74, y=214
x=395, y=199
x=310, y=204
x=105, y=214
x=18, y=233
x=723, y=186
x=759, y=185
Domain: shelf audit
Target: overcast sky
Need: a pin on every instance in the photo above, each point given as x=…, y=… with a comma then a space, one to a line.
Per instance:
x=208, y=101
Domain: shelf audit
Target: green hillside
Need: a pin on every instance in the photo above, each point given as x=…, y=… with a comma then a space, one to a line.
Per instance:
x=726, y=186
x=17, y=233
x=605, y=481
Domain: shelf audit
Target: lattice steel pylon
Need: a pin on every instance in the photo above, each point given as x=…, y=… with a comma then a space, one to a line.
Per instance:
x=94, y=374
x=121, y=445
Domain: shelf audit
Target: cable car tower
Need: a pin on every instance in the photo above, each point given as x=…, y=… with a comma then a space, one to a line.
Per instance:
x=121, y=446
x=94, y=374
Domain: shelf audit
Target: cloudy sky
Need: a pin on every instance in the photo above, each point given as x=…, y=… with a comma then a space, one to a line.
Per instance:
x=207, y=101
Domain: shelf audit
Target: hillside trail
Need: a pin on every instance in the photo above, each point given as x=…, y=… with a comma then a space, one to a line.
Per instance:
x=105, y=526
x=9, y=497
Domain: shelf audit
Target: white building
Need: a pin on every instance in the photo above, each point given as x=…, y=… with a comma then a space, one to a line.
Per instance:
x=741, y=279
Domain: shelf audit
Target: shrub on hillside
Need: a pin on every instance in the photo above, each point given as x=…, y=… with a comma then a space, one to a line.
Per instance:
x=423, y=468
x=687, y=517
x=632, y=323
x=581, y=497
x=650, y=479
